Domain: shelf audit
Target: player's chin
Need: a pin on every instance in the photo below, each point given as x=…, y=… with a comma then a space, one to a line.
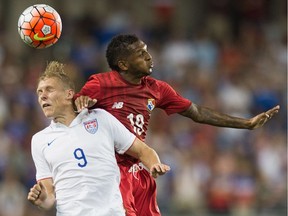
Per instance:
x=48, y=114
x=149, y=71
x=144, y=73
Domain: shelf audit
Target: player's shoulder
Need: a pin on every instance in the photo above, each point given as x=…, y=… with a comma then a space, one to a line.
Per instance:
x=102, y=116
x=102, y=79
x=102, y=75
x=154, y=82
x=42, y=134
x=99, y=112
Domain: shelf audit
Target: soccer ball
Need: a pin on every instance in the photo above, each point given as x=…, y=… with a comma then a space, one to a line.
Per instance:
x=40, y=26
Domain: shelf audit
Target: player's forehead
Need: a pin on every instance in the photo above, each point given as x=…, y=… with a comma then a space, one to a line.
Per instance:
x=48, y=82
x=138, y=46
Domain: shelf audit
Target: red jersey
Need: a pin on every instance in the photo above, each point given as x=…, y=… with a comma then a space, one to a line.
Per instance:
x=132, y=104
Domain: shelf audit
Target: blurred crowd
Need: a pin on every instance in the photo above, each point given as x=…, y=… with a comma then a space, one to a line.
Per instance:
x=227, y=55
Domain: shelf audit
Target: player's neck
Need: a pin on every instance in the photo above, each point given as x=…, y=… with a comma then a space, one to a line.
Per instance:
x=130, y=78
x=65, y=118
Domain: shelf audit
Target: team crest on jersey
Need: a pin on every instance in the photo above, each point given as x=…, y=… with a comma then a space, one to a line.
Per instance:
x=150, y=104
x=91, y=126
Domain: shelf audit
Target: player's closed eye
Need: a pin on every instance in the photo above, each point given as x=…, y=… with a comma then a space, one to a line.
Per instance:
x=144, y=54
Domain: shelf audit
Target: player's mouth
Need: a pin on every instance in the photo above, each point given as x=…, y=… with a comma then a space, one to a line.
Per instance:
x=45, y=105
x=151, y=68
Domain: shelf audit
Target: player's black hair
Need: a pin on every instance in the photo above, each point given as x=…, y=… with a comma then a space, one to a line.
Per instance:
x=119, y=48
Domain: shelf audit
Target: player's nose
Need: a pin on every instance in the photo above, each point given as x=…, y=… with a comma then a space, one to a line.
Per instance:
x=43, y=97
x=148, y=56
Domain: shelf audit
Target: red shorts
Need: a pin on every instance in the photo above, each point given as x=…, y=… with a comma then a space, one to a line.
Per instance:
x=138, y=191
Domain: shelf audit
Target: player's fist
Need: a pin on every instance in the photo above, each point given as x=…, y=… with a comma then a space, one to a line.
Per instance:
x=37, y=194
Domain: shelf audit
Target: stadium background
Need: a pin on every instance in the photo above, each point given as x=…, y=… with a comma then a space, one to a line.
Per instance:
x=226, y=54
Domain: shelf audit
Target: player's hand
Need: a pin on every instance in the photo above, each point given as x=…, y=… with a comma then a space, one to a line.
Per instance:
x=262, y=118
x=37, y=194
x=159, y=169
x=83, y=102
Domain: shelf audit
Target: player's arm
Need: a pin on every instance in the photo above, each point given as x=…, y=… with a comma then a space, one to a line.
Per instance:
x=206, y=115
x=148, y=157
x=42, y=194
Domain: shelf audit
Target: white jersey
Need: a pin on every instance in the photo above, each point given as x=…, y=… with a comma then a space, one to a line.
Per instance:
x=81, y=161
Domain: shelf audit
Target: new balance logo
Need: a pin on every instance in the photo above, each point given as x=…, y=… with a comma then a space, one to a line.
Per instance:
x=117, y=105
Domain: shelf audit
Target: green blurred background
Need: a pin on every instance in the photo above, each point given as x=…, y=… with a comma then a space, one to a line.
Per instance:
x=229, y=55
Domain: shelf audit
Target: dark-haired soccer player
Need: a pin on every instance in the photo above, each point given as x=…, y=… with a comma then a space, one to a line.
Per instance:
x=130, y=94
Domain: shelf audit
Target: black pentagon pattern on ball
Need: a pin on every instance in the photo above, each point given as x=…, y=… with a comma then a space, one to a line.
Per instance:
x=40, y=26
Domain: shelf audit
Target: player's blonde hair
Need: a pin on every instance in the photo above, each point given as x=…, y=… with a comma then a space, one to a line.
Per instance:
x=56, y=69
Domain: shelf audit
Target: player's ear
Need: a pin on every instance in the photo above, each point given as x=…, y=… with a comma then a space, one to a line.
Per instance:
x=123, y=65
x=70, y=94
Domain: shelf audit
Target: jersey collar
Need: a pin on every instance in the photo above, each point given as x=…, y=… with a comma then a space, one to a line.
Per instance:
x=77, y=120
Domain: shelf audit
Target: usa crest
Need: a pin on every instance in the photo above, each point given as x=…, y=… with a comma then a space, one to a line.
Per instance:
x=91, y=126
x=151, y=104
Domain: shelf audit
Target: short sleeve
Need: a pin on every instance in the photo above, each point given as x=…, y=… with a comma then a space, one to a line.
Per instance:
x=171, y=101
x=122, y=137
x=41, y=165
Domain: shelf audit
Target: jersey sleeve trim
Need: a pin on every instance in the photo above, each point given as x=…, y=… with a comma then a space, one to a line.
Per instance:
x=41, y=179
x=131, y=141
